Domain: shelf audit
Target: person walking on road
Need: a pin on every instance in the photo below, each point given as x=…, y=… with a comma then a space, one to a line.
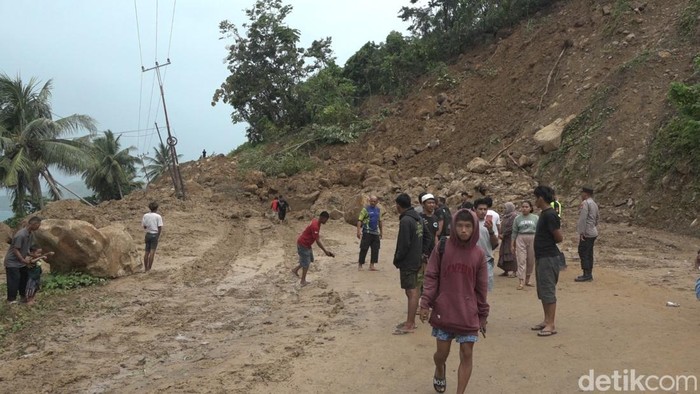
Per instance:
x=369, y=232
x=310, y=235
x=587, y=229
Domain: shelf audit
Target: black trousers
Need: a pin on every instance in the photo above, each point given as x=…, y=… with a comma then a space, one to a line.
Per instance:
x=369, y=241
x=16, y=282
x=585, y=252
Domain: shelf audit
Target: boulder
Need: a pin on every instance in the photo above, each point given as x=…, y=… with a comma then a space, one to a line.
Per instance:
x=377, y=183
x=391, y=155
x=525, y=161
x=500, y=162
x=353, y=206
x=351, y=174
x=79, y=246
x=444, y=170
x=301, y=202
x=478, y=165
x=6, y=233
x=549, y=137
x=337, y=215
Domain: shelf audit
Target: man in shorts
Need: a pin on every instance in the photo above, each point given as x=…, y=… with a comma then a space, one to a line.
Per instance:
x=547, y=259
x=408, y=258
x=152, y=223
x=311, y=234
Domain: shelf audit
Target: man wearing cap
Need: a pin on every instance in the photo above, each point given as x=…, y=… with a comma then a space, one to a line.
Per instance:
x=587, y=229
x=433, y=223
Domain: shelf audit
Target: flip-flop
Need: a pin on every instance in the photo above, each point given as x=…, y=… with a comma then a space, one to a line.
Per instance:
x=401, y=331
x=520, y=287
x=529, y=285
x=440, y=385
x=538, y=327
x=546, y=333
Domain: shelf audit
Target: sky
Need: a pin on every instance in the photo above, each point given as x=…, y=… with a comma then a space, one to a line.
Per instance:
x=90, y=49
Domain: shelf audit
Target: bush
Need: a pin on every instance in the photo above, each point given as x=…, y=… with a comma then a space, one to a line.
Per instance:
x=69, y=281
x=288, y=162
x=678, y=143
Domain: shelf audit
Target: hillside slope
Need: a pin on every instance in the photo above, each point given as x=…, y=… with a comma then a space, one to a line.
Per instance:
x=616, y=61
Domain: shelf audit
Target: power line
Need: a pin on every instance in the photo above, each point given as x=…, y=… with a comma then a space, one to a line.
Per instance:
x=138, y=34
x=156, y=56
x=172, y=23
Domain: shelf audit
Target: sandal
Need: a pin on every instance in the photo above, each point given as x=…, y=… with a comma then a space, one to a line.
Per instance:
x=538, y=327
x=520, y=287
x=529, y=285
x=544, y=333
x=440, y=385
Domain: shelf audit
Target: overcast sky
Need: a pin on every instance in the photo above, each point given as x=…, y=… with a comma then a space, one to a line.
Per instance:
x=91, y=51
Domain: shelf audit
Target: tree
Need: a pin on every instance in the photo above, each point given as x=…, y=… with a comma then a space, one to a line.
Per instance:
x=160, y=163
x=32, y=142
x=112, y=172
x=266, y=63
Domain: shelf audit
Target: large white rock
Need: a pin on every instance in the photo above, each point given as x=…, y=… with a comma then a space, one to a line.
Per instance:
x=478, y=165
x=549, y=137
x=79, y=246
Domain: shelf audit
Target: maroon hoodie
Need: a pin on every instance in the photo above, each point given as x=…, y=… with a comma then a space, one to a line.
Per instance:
x=455, y=285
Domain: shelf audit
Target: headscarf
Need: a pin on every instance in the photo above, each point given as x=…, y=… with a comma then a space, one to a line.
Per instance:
x=508, y=219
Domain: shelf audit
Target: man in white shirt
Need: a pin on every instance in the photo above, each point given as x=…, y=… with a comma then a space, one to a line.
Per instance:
x=488, y=235
x=152, y=223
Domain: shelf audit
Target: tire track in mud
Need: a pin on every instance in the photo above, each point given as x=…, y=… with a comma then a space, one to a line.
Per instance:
x=227, y=320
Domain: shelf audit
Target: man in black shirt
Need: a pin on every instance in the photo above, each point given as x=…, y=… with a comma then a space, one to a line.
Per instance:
x=547, y=258
x=433, y=223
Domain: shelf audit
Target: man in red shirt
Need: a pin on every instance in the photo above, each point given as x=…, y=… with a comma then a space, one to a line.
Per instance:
x=307, y=238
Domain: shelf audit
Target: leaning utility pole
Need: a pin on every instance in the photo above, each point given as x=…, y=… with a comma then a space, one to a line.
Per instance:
x=172, y=141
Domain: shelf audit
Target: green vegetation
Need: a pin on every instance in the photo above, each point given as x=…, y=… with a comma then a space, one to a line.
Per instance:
x=295, y=96
x=615, y=21
x=111, y=172
x=287, y=162
x=578, y=133
x=33, y=144
x=677, y=145
x=160, y=163
x=53, y=282
x=14, y=318
x=688, y=24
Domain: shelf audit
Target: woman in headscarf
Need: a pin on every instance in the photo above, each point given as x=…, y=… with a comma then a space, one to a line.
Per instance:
x=506, y=255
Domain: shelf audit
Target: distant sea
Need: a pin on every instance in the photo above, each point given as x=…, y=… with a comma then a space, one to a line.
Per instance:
x=4, y=215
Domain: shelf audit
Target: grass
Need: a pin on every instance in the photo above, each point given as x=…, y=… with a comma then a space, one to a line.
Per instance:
x=615, y=20
x=14, y=318
x=578, y=133
x=637, y=61
x=688, y=24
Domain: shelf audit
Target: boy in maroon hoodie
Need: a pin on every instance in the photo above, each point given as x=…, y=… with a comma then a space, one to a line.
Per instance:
x=455, y=288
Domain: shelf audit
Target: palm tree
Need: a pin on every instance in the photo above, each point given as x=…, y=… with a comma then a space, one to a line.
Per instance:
x=160, y=163
x=31, y=142
x=112, y=172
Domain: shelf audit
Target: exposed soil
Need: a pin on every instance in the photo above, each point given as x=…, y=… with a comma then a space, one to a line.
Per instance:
x=222, y=313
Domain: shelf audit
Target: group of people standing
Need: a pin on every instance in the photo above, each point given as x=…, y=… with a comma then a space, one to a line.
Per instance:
x=446, y=262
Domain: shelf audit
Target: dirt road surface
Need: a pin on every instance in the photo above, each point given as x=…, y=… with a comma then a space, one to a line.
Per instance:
x=221, y=313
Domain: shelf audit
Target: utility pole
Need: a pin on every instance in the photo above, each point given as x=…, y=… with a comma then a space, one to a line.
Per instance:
x=172, y=141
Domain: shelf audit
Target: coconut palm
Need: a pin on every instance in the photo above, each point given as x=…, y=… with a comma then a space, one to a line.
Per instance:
x=160, y=163
x=32, y=142
x=112, y=173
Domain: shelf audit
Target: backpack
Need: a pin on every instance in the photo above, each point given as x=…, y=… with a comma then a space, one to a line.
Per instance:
x=446, y=220
x=428, y=241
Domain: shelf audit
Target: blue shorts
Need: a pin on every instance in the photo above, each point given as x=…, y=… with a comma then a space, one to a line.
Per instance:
x=448, y=336
x=306, y=256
